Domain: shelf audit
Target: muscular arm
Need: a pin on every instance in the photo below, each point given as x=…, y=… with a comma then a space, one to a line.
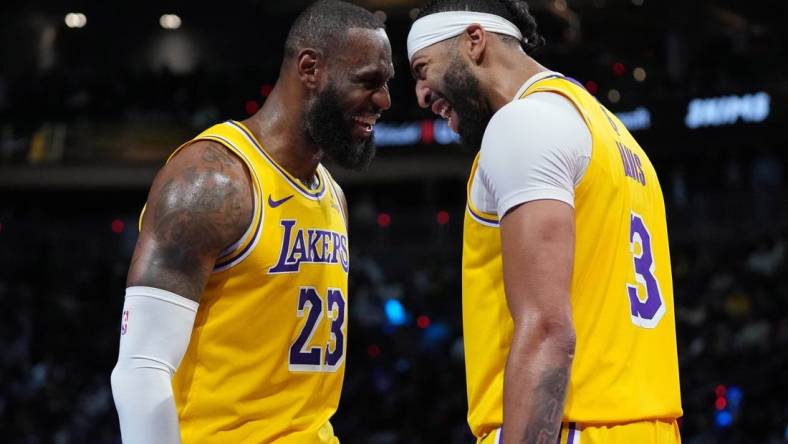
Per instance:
x=200, y=203
x=537, y=241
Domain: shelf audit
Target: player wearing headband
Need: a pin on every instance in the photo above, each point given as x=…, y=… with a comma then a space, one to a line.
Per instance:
x=568, y=312
x=234, y=326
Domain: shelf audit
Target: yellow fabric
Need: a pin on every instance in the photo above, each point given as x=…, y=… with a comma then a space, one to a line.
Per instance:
x=640, y=432
x=625, y=367
x=244, y=378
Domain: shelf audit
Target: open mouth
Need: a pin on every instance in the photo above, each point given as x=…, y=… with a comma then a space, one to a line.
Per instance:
x=443, y=108
x=365, y=123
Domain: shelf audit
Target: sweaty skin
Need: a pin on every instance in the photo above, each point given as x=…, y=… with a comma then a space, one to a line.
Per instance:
x=199, y=203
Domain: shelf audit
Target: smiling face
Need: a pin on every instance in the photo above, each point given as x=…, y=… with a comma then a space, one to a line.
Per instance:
x=340, y=118
x=446, y=85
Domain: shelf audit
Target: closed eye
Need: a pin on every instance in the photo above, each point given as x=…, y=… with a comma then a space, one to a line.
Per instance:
x=373, y=81
x=417, y=71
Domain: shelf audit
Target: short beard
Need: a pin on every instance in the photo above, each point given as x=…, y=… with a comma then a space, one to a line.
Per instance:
x=329, y=127
x=465, y=96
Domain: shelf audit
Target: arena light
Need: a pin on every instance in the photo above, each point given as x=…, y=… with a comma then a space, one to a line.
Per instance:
x=414, y=133
x=76, y=20
x=384, y=220
x=117, y=226
x=443, y=134
x=727, y=110
x=395, y=312
x=637, y=119
x=614, y=96
x=723, y=419
x=637, y=2
x=251, y=107
x=735, y=395
x=639, y=74
x=170, y=21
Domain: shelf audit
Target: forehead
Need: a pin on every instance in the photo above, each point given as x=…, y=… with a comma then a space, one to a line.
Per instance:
x=366, y=48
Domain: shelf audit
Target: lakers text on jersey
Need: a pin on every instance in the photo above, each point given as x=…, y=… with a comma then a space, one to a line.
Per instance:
x=267, y=355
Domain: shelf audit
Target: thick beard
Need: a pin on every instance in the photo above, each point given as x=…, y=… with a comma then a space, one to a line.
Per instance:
x=327, y=125
x=465, y=96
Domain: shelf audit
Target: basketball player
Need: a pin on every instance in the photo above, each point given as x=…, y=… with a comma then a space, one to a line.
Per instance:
x=567, y=296
x=238, y=284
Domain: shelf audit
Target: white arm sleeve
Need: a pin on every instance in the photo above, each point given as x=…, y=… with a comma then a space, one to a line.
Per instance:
x=155, y=330
x=535, y=148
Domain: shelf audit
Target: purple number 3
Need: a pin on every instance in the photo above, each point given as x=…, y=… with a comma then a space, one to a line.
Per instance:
x=646, y=312
x=306, y=358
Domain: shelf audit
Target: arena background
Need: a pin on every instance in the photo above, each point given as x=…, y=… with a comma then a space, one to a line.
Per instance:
x=94, y=95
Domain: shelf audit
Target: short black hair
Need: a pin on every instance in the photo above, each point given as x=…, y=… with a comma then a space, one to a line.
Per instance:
x=516, y=11
x=324, y=23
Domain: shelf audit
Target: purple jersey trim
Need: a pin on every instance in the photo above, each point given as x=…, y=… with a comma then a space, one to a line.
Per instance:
x=481, y=218
x=296, y=185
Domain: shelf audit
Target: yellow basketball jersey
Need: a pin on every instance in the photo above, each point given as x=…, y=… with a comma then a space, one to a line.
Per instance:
x=267, y=355
x=625, y=366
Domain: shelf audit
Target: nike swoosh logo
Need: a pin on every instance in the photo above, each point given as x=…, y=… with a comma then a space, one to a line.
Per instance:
x=275, y=203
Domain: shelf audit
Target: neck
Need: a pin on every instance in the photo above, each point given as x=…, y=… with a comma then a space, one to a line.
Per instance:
x=508, y=76
x=278, y=127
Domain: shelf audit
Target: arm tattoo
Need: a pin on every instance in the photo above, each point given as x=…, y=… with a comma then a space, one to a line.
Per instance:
x=219, y=156
x=196, y=213
x=545, y=424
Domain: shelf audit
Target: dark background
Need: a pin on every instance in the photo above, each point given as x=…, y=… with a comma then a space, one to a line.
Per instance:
x=87, y=116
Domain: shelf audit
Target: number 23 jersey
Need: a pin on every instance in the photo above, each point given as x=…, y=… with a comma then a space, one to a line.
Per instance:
x=266, y=358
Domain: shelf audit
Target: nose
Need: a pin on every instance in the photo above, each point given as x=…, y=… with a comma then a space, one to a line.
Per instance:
x=423, y=94
x=382, y=99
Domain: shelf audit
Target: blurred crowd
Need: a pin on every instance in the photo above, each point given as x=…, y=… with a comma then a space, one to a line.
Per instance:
x=64, y=255
x=87, y=97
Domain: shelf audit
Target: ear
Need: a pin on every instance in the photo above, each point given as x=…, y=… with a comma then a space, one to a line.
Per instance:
x=309, y=65
x=475, y=42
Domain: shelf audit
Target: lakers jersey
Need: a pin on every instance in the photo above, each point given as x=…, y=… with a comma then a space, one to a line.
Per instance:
x=625, y=366
x=267, y=354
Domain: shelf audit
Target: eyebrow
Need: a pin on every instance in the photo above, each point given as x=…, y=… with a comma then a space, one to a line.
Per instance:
x=377, y=71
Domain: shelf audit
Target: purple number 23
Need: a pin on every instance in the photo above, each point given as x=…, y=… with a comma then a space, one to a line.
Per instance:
x=646, y=312
x=306, y=358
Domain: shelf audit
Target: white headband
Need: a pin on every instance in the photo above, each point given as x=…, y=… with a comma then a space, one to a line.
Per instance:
x=437, y=27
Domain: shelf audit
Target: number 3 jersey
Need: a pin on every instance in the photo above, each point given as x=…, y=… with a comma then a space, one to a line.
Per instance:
x=625, y=366
x=266, y=358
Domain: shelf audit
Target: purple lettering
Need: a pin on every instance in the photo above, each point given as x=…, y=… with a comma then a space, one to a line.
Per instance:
x=344, y=257
x=283, y=265
x=312, y=255
x=325, y=236
x=639, y=168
